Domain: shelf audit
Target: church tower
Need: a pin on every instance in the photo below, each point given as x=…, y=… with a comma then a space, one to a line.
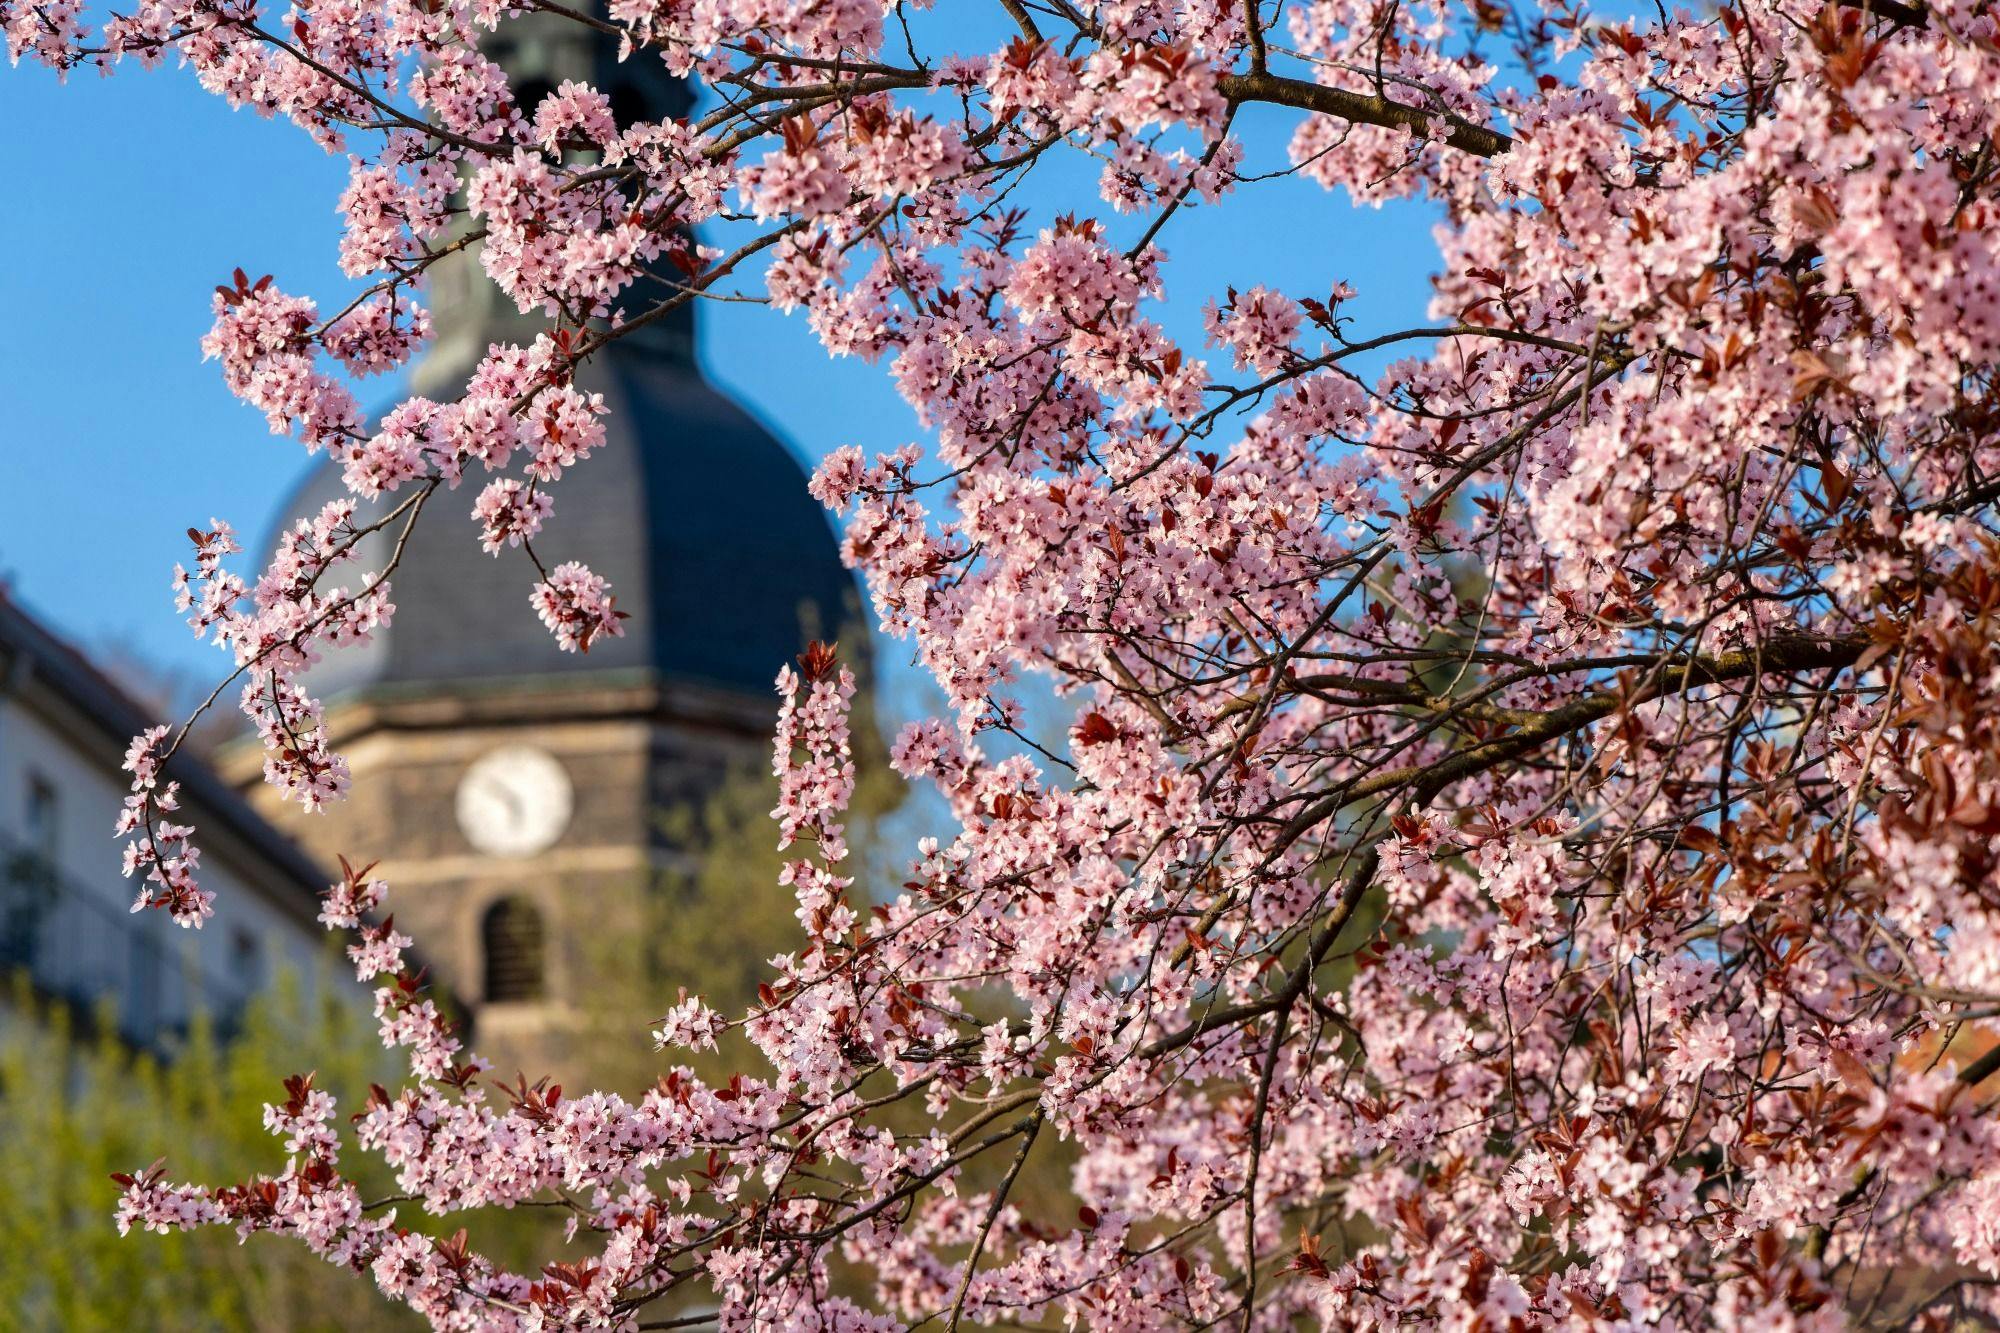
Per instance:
x=511, y=791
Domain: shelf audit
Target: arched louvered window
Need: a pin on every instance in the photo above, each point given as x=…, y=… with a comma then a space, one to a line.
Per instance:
x=628, y=105
x=529, y=95
x=511, y=936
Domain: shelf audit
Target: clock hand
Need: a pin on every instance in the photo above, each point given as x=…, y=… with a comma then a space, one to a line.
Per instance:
x=494, y=789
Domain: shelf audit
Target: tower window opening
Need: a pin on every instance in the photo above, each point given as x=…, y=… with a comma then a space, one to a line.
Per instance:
x=628, y=106
x=512, y=939
x=531, y=94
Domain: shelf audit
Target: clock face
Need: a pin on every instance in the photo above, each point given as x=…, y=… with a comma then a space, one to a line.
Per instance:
x=514, y=801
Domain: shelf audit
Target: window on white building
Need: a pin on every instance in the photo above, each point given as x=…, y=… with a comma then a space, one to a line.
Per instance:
x=43, y=819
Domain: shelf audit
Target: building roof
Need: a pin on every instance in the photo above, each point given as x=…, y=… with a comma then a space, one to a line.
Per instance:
x=696, y=513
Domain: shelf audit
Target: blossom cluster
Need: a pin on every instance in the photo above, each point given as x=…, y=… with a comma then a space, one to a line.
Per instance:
x=520, y=406
x=1522, y=845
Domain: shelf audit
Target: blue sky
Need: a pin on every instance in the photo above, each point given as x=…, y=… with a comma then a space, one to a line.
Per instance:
x=140, y=192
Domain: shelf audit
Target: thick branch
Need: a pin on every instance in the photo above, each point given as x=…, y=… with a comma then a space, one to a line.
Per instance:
x=1671, y=674
x=1916, y=16
x=1360, y=108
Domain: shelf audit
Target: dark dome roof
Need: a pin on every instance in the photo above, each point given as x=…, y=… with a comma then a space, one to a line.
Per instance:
x=697, y=515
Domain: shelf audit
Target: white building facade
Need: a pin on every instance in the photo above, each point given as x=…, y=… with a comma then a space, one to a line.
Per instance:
x=66, y=923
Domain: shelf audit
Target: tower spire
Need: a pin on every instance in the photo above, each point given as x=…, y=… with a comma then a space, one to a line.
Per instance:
x=540, y=52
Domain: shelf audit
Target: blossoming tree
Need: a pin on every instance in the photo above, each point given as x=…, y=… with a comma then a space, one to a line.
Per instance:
x=1528, y=850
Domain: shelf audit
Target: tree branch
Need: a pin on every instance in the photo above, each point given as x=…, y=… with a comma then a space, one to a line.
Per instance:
x=1360, y=108
x=1671, y=674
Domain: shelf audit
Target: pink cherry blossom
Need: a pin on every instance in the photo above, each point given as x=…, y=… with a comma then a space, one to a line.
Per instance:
x=1519, y=847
